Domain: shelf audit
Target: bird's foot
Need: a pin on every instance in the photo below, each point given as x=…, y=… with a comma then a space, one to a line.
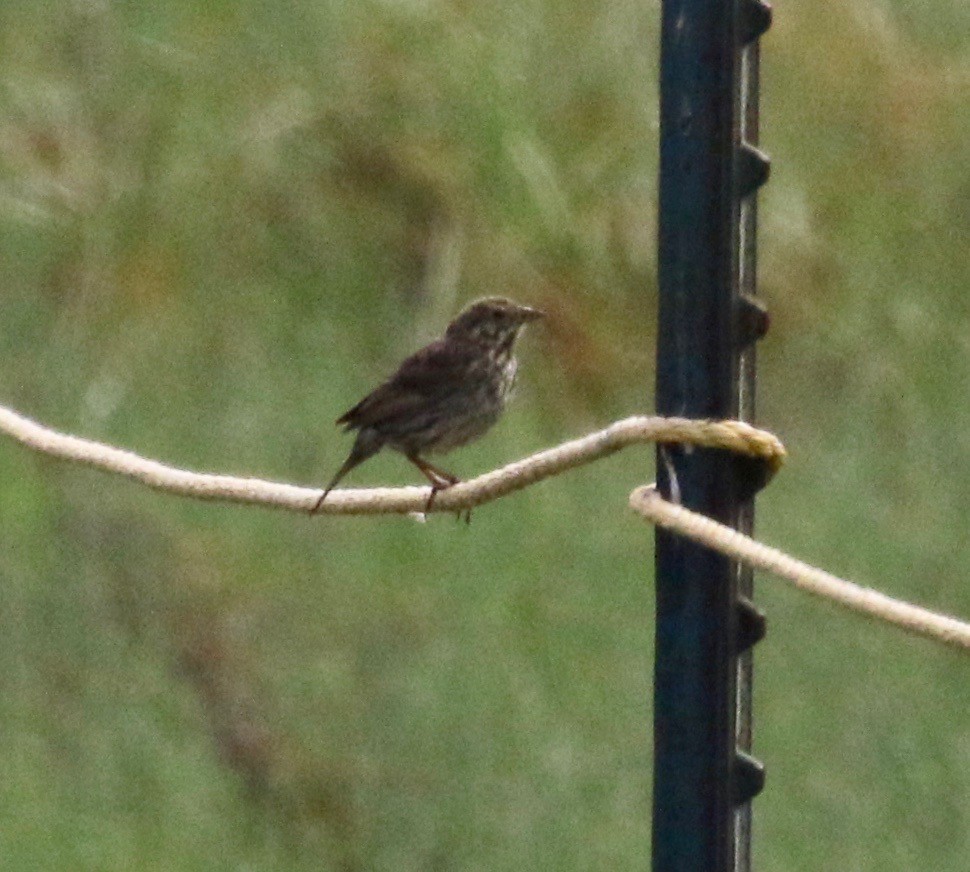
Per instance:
x=444, y=482
x=436, y=488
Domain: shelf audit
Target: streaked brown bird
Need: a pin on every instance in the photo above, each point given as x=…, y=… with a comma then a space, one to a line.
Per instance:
x=445, y=395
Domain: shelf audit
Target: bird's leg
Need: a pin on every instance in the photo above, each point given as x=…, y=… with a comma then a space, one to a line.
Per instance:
x=440, y=480
x=451, y=479
x=446, y=477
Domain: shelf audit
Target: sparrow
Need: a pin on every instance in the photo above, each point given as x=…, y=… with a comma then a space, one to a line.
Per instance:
x=444, y=396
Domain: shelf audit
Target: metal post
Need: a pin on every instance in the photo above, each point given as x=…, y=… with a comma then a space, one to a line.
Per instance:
x=708, y=320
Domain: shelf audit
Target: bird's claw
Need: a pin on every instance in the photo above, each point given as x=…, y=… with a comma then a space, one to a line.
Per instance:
x=444, y=485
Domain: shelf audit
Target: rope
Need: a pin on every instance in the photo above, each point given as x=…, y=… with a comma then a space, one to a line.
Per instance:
x=648, y=502
x=735, y=436
x=730, y=435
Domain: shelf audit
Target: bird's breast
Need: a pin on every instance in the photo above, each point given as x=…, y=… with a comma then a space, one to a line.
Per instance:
x=506, y=368
x=478, y=408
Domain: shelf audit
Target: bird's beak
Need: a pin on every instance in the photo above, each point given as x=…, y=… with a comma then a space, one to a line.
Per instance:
x=527, y=314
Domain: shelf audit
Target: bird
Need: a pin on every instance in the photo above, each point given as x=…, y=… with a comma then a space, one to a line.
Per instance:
x=443, y=396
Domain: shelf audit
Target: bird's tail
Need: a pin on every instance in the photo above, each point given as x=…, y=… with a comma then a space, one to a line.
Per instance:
x=367, y=444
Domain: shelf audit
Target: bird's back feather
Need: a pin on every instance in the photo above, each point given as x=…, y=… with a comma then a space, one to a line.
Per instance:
x=424, y=379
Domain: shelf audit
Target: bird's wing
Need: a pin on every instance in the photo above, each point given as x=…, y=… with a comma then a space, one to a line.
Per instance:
x=425, y=378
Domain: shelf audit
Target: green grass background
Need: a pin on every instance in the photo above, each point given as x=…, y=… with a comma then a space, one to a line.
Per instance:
x=221, y=223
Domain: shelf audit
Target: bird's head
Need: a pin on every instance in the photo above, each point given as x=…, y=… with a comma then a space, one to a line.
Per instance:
x=493, y=320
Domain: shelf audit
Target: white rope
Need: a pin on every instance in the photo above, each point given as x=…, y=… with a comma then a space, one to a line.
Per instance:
x=730, y=435
x=733, y=436
x=648, y=502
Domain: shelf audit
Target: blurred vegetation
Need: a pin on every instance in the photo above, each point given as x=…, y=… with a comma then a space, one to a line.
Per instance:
x=221, y=223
